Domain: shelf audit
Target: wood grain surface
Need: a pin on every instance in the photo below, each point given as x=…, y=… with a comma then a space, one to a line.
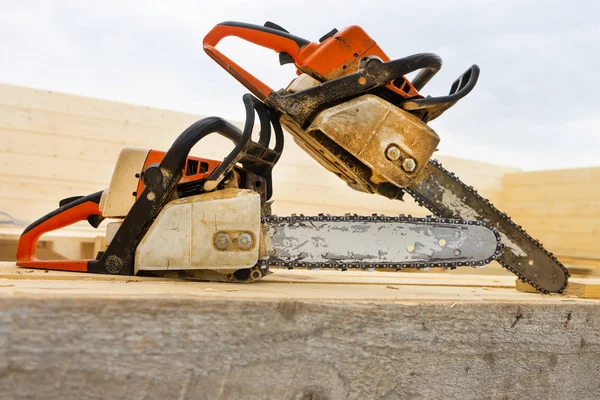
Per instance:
x=77, y=336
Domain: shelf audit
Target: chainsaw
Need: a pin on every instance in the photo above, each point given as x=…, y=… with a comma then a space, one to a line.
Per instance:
x=176, y=215
x=354, y=110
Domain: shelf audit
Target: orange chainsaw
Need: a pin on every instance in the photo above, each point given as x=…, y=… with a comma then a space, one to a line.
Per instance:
x=353, y=110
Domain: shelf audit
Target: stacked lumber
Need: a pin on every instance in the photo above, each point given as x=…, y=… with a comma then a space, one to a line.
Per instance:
x=561, y=208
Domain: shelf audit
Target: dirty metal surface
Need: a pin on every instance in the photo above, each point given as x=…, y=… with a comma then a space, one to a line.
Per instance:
x=447, y=196
x=368, y=126
x=378, y=241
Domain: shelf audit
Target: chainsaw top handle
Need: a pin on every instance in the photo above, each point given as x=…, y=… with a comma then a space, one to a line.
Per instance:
x=270, y=36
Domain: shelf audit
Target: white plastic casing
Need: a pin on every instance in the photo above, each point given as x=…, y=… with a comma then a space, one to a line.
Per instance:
x=117, y=200
x=183, y=235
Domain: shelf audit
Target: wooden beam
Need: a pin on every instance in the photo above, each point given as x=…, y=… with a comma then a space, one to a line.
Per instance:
x=135, y=337
x=588, y=288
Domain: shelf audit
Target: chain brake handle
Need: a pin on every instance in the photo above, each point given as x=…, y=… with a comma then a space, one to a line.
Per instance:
x=429, y=108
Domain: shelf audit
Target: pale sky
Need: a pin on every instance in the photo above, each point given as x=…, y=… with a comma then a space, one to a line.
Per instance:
x=536, y=105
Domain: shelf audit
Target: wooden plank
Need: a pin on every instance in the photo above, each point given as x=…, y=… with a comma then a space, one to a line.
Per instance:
x=80, y=231
x=565, y=192
x=570, y=245
x=299, y=276
x=79, y=147
x=456, y=278
x=554, y=177
x=332, y=286
x=43, y=121
x=142, y=338
x=576, y=207
x=27, y=210
x=562, y=224
x=43, y=189
x=76, y=242
x=582, y=262
x=14, y=96
x=585, y=289
x=561, y=208
x=57, y=168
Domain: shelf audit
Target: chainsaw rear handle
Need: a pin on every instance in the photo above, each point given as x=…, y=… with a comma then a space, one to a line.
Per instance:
x=271, y=38
x=71, y=211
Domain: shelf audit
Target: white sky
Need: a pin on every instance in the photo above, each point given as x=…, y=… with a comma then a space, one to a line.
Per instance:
x=536, y=105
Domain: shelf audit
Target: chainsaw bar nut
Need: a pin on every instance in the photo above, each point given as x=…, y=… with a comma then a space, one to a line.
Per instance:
x=409, y=165
x=245, y=241
x=222, y=241
x=393, y=153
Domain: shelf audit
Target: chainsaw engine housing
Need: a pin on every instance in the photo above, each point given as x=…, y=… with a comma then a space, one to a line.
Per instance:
x=217, y=230
x=353, y=140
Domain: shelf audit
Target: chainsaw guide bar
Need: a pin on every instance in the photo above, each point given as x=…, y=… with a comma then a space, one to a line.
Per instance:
x=444, y=194
x=379, y=241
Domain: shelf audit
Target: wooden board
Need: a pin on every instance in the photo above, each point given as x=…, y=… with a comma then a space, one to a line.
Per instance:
x=561, y=208
x=336, y=285
x=92, y=336
x=423, y=278
x=79, y=231
x=588, y=288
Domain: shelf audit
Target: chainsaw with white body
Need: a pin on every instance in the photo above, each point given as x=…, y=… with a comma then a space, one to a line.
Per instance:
x=176, y=215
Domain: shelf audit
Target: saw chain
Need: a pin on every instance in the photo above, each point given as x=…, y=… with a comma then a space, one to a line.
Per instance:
x=522, y=255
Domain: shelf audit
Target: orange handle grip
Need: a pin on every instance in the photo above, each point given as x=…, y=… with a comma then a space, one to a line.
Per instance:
x=274, y=39
x=66, y=215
